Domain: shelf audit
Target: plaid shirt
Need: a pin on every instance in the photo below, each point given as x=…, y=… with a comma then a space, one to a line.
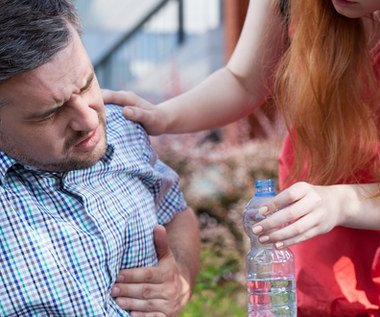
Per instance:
x=65, y=236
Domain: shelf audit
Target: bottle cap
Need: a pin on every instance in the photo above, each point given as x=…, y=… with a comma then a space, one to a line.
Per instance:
x=265, y=187
x=264, y=183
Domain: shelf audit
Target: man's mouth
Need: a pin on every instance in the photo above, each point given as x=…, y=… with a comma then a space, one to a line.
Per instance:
x=88, y=142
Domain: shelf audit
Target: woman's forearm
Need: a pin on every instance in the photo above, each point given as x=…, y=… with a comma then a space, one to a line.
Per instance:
x=361, y=209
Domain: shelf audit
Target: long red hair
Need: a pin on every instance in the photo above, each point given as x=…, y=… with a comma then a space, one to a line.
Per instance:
x=327, y=91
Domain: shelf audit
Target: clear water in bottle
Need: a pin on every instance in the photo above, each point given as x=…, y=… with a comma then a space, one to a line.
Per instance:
x=270, y=271
x=276, y=297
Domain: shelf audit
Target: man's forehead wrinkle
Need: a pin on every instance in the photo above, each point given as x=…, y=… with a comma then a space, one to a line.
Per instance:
x=56, y=79
x=58, y=86
x=36, y=77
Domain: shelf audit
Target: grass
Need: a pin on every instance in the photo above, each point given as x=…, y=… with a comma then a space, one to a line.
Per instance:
x=215, y=293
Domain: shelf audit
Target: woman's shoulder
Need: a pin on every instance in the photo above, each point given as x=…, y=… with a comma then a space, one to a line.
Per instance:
x=375, y=53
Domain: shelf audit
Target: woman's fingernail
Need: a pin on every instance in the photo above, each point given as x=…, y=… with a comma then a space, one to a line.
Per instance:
x=127, y=112
x=115, y=291
x=279, y=245
x=264, y=239
x=263, y=210
x=257, y=229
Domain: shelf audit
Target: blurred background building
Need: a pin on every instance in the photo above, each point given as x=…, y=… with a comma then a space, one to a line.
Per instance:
x=160, y=48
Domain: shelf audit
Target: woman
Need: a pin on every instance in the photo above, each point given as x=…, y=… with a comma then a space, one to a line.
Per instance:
x=320, y=60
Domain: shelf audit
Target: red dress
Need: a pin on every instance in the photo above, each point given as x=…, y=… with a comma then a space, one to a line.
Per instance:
x=338, y=273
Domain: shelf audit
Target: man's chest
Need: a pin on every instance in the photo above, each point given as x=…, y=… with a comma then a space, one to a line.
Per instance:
x=59, y=236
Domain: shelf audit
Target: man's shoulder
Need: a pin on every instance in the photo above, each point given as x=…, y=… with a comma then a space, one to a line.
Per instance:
x=117, y=124
x=113, y=113
x=125, y=135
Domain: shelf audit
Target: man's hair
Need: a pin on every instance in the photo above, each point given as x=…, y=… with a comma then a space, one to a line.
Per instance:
x=32, y=32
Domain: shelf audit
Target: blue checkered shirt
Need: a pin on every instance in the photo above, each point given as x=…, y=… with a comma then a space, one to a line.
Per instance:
x=65, y=236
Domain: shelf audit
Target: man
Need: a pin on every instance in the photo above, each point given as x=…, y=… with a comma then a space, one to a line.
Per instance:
x=81, y=189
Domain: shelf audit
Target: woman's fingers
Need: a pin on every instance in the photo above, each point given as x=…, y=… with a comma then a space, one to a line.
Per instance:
x=297, y=214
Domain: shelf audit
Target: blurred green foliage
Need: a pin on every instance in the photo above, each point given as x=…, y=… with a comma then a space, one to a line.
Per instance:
x=214, y=295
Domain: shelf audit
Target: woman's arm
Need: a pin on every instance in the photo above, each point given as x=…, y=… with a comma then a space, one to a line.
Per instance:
x=226, y=95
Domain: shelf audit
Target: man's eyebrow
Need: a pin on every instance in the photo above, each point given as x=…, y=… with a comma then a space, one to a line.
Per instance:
x=36, y=116
x=89, y=81
x=50, y=111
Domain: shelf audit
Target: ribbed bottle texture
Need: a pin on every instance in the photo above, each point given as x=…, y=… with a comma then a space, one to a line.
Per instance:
x=270, y=271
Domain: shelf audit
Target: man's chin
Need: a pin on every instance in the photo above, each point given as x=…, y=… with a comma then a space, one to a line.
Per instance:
x=68, y=166
x=77, y=161
x=80, y=164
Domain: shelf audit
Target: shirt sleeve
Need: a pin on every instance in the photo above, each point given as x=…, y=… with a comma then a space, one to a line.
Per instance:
x=164, y=185
x=139, y=158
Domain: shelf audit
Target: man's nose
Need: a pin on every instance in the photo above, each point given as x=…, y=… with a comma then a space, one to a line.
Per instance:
x=83, y=116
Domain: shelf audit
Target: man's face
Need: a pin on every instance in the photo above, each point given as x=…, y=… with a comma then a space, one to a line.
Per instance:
x=54, y=116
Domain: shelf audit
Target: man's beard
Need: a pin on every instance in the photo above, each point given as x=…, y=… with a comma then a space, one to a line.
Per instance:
x=71, y=162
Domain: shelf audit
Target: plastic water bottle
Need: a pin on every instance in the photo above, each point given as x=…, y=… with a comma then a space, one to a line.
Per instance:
x=270, y=271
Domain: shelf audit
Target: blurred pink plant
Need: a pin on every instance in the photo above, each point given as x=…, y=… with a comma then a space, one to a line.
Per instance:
x=217, y=178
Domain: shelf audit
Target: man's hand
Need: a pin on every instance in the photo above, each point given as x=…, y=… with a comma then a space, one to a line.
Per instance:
x=152, y=291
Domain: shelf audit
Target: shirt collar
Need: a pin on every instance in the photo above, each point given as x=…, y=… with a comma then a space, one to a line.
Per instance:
x=106, y=159
x=7, y=162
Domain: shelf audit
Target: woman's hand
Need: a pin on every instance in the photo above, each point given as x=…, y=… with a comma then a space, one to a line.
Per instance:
x=138, y=109
x=301, y=212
